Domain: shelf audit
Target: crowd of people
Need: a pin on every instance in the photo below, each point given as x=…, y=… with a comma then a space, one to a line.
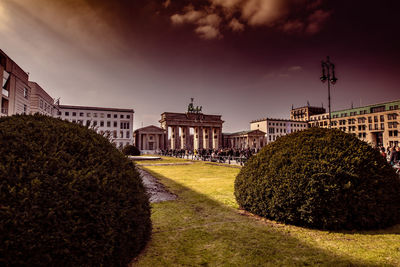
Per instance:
x=392, y=154
x=240, y=156
x=219, y=155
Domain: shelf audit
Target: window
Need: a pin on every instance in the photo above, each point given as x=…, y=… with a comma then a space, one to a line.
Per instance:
x=127, y=134
x=375, y=118
x=115, y=116
x=95, y=115
x=25, y=109
x=122, y=116
x=101, y=115
x=94, y=123
x=101, y=123
x=26, y=93
x=125, y=125
x=88, y=114
x=115, y=134
x=121, y=134
x=74, y=114
x=41, y=104
x=108, y=115
x=81, y=114
x=377, y=109
x=59, y=113
x=370, y=119
x=87, y=123
x=115, y=124
x=66, y=113
x=108, y=123
x=128, y=116
x=382, y=118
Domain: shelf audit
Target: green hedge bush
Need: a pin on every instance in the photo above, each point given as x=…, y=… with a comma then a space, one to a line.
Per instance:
x=68, y=197
x=131, y=150
x=320, y=178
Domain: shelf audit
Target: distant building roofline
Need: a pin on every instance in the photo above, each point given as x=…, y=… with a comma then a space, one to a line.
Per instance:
x=273, y=119
x=371, y=105
x=96, y=108
x=308, y=107
x=244, y=132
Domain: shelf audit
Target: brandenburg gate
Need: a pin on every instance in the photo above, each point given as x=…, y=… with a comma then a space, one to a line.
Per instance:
x=207, y=129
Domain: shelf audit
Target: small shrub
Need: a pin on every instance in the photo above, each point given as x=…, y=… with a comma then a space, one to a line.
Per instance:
x=322, y=179
x=68, y=197
x=131, y=150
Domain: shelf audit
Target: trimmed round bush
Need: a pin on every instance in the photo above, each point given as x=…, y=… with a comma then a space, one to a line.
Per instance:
x=68, y=197
x=320, y=178
x=131, y=150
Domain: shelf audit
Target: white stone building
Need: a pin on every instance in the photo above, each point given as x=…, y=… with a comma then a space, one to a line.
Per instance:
x=115, y=122
x=275, y=128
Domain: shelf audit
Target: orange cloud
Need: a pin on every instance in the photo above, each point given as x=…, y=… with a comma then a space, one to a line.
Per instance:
x=236, y=26
x=234, y=15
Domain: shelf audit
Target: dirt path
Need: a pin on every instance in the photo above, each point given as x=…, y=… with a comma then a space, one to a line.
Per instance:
x=156, y=190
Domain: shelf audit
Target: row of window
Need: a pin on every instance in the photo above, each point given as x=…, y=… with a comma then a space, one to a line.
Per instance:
x=123, y=125
x=353, y=121
x=120, y=144
x=46, y=107
x=284, y=124
x=115, y=135
x=394, y=133
x=362, y=135
x=361, y=112
x=89, y=114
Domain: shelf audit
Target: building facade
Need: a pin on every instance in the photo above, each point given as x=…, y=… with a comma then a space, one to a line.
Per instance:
x=275, y=128
x=253, y=139
x=377, y=124
x=113, y=122
x=150, y=139
x=179, y=127
x=15, y=90
x=304, y=113
x=41, y=102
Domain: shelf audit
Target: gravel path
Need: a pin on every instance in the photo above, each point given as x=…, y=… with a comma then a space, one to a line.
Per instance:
x=157, y=191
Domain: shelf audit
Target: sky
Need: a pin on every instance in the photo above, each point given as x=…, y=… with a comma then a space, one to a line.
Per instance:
x=242, y=59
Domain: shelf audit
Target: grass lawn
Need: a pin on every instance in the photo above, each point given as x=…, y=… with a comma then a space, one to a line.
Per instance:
x=162, y=161
x=204, y=227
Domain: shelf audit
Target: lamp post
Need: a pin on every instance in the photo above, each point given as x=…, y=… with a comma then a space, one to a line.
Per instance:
x=328, y=74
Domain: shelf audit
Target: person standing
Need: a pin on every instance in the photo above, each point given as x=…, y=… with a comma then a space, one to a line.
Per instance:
x=395, y=156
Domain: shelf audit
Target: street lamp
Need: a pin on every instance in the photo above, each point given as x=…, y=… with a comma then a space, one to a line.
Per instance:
x=328, y=74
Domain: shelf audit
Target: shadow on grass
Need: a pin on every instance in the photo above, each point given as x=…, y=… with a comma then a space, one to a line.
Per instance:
x=196, y=230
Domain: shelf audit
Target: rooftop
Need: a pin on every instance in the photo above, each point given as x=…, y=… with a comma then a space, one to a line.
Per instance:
x=96, y=108
x=272, y=119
